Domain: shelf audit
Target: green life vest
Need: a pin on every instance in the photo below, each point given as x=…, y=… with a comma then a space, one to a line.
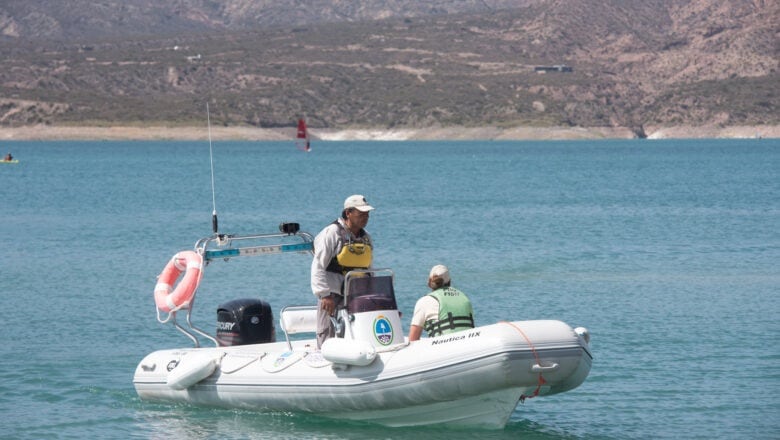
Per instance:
x=455, y=312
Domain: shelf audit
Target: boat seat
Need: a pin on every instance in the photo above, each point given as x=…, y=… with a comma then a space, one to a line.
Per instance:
x=298, y=319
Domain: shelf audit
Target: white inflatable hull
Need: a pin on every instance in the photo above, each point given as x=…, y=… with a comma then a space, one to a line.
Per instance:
x=471, y=378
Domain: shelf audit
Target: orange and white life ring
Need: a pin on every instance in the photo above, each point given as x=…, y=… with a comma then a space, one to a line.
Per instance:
x=166, y=297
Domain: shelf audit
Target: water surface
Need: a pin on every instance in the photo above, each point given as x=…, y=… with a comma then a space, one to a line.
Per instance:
x=666, y=250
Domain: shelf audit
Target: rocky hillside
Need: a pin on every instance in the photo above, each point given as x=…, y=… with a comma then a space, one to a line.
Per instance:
x=390, y=64
x=79, y=19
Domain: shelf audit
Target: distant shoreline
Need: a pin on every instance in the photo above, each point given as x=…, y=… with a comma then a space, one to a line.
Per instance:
x=47, y=132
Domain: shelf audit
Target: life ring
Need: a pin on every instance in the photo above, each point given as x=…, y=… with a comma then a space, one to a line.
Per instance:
x=166, y=297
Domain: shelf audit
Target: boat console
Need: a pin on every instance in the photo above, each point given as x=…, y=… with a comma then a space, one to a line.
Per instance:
x=371, y=313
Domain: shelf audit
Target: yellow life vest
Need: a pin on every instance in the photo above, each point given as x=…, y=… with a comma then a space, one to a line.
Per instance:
x=355, y=252
x=355, y=255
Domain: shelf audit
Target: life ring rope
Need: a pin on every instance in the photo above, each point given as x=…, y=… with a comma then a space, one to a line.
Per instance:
x=170, y=299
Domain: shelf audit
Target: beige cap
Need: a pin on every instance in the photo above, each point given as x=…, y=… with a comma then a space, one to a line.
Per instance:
x=440, y=271
x=358, y=202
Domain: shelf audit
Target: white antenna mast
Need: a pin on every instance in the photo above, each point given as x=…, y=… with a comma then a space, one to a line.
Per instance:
x=214, y=223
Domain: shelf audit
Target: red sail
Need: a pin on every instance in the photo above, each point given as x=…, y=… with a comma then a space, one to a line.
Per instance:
x=302, y=138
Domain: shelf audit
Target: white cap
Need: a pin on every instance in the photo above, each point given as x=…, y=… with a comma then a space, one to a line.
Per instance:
x=358, y=202
x=440, y=271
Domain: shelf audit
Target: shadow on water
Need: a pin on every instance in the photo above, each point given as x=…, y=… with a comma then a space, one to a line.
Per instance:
x=161, y=421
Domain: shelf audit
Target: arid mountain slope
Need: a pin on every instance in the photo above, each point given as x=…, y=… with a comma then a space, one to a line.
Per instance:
x=634, y=63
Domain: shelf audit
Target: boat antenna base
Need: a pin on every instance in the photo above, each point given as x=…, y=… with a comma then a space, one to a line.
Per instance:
x=223, y=239
x=289, y=228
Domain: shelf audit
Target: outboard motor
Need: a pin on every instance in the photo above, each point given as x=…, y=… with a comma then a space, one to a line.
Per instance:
x=245, y=321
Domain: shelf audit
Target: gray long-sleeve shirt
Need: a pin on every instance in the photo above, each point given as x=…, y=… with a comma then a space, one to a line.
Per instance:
x=327, y=244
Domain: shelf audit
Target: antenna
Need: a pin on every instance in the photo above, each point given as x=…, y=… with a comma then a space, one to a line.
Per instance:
x=214, y=222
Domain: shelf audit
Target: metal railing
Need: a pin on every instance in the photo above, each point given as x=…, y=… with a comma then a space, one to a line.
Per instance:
x=227, y=246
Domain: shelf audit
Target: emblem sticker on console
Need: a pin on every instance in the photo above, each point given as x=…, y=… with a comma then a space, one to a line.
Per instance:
x=383, y=331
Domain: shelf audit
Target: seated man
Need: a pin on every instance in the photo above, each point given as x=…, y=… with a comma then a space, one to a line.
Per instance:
x=444, y=310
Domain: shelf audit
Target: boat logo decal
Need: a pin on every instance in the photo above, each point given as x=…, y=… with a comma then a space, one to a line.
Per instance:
x=282, y=358
x=172, y=364
x=383, y=331
x=228, y=326
x=456, y=337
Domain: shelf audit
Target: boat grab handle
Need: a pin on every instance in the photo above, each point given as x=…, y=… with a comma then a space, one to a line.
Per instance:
x=536, y=368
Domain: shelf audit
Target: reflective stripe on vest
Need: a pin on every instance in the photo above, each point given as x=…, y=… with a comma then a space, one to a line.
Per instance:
x=455, y=312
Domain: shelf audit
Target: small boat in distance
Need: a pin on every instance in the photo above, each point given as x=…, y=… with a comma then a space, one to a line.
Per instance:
x=302, y=138
x=8, y=158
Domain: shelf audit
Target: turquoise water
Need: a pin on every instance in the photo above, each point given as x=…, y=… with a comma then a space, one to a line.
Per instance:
x=667, y=251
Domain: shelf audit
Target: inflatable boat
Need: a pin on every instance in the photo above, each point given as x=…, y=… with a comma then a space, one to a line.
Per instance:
x=369, y=371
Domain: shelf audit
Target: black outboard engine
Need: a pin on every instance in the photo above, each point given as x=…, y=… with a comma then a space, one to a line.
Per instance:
x=245, y=321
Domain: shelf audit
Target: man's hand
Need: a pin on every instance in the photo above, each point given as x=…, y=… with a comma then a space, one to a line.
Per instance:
x=328, y=304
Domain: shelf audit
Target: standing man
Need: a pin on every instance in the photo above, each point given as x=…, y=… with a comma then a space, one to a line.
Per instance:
x=340, y=247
